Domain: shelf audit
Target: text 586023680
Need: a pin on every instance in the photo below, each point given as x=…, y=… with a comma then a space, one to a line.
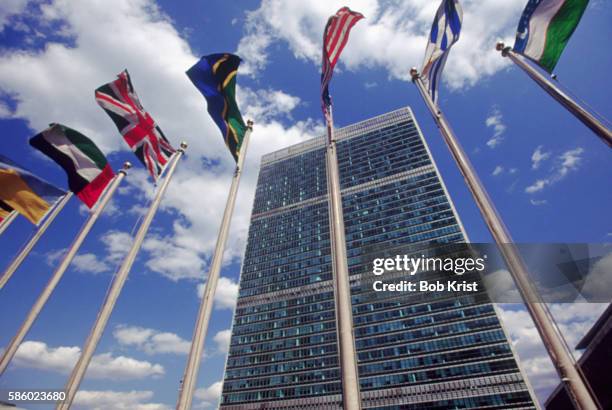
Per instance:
x=32, y=396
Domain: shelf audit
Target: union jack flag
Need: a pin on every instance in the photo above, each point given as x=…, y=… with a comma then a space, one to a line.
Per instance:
x=138, y=128
x=335, y=36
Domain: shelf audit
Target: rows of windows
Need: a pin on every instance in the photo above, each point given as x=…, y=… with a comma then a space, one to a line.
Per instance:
x=448, y=373
x=436, y=331
x=411, y=323
x=448, y=343
x=500, y=401
x=463, y=356
x=286, y=355
x=282, y=393
x=295, y=366
x=296, y=311
x=292, y=180
x=283, y=304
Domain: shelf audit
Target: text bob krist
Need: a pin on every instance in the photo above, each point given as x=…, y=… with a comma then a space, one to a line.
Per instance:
x=411, y=266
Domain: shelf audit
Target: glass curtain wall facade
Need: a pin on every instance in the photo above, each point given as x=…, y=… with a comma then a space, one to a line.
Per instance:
x=442, y=354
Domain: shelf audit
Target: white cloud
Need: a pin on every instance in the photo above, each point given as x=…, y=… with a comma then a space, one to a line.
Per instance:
x=599, y=280
x=222, y=339
x=370, y=84
x=117, y=244
x=89, y=263
x=402, y=27
x=151, y=341
x=497, y=171
x=35, y=80
x=226, y=294
x=495, y=121
x=567, y=162
x=210, y=395
x=574, y=319
x=267, y=104
x=116, y=400
x=538, y=202
x=9, y=8
x=538, y=157
x=172, y=261
x=537, y=186
x=38, y=355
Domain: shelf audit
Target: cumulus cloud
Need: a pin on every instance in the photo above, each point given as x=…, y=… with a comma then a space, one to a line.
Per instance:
x=567, y=162
x=402, y=27
x=151, y=341
x=38, y=355
x=497, y=171
x=495, y=121
x=35, y=80
x=226, y=294
x=222, y=338
x=209, y=396
x=573, y=319
x=117, y=244
x=599, y=280
x=116, y=400
x=9, y=8
x=89, y=263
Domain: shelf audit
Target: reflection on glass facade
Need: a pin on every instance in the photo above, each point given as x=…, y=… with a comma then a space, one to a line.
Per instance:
x=429, y=354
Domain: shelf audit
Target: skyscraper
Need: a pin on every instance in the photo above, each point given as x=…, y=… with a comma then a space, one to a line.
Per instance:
x=428, y=354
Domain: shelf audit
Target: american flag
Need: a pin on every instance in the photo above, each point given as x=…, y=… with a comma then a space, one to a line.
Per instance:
x=335, y=36
x=444, y=33
x=138, y=128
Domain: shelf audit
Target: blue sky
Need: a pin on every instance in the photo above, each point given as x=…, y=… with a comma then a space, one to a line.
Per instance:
x=546, y=172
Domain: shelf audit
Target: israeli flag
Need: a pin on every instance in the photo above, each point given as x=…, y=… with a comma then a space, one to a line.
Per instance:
x=444, y=33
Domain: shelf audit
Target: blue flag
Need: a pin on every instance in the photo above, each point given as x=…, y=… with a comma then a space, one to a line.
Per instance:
x=444, y=33
x=215, y=76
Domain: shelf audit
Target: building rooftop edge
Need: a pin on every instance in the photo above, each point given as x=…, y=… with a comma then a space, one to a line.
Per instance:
x=341, y=133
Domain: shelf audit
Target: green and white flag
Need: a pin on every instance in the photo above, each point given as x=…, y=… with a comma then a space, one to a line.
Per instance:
x=545, y=28
x=86, y=166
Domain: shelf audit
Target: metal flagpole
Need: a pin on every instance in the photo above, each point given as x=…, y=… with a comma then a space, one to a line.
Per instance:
x=351, y=397
x=557, y=349
x=190, y=377
x=113, y=294
x=32, y=242
x=11, y=349
x=7, y=221
x=565, y=100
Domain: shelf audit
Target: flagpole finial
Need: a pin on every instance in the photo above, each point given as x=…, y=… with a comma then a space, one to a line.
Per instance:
x=250, y=124
x=500, y=46
x=127, y=165
x=183, y=146
x=414, y=73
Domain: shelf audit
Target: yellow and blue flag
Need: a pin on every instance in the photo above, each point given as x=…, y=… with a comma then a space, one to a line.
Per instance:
x=215, y=77
x=24, y=192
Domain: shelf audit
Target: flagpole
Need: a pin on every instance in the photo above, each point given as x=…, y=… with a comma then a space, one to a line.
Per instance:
x=7, y=221
x=32, y=242
x=557, y=349
x=11, y=349
x=89, y=348
x=351, y=398
x=565, y=100
x=190, y=377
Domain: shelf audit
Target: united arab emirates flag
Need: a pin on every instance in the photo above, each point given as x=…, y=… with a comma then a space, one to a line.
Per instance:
x=545, y=28
x=88, y=170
